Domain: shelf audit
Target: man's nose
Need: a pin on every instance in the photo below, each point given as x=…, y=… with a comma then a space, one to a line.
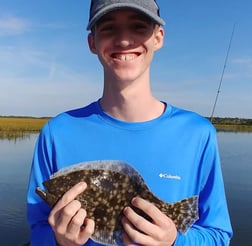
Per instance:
x=124, y=38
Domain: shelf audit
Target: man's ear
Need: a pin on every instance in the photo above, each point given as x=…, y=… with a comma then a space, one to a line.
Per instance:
x=91, y=43
x=159, y=37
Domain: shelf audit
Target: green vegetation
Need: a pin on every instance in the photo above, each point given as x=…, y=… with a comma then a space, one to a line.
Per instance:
x=232, y=124
x=20, y=127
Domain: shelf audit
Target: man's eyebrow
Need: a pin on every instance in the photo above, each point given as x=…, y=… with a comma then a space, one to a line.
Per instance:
x=105, y=18
x=140, y=16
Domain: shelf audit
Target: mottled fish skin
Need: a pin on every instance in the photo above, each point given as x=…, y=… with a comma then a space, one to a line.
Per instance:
x=111, y=187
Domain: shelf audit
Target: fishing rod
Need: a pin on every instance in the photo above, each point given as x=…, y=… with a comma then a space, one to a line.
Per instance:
x=222, y=75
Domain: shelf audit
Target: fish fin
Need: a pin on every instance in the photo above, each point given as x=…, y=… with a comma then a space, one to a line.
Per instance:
x=107, y=237
x=47, y=197
x=185, y=213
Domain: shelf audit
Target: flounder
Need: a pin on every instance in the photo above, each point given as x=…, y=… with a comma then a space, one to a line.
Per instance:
x=111, y=185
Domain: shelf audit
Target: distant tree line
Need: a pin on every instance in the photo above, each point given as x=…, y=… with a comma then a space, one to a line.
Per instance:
x=231, y=121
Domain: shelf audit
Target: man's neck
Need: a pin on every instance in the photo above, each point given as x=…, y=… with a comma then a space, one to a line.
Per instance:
x=132, y=106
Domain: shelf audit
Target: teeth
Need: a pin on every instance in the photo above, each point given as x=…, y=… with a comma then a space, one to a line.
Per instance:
x=125, y=57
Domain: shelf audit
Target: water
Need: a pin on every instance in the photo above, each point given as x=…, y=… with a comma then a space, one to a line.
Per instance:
x=15, y=160
x=236, y=157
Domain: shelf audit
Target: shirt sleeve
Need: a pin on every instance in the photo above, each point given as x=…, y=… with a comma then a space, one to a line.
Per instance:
x=213, y=226
x=41, y=233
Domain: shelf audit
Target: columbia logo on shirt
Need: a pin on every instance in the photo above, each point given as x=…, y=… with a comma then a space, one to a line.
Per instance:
x=169, y=176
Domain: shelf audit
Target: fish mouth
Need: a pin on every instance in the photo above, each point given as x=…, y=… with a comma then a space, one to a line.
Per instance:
x=125, y=56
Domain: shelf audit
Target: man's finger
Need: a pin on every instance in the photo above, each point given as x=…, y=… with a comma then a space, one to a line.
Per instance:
x=87, y=229
x=66, y=199
x=137, y=223
x=70, y=195
x=76, y=222
x=150, y=209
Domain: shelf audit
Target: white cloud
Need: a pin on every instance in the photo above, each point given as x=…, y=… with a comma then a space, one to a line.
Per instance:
x=41, y=97
x=243, y=67
x=13, y=25
x=243, y=61
x=34, y=83
x=17, y=61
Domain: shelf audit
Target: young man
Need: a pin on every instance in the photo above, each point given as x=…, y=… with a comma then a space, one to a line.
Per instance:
x=128, y=123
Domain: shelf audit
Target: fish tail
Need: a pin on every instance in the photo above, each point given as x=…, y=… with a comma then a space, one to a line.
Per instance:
x=47, y=197
x=184, y=213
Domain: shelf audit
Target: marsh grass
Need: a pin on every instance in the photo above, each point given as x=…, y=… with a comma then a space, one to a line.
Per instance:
x=232, y=124
x=233, y=128
x=20, y=127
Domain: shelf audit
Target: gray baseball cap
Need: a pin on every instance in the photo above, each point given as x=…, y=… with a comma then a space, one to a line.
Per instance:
x=99, y=8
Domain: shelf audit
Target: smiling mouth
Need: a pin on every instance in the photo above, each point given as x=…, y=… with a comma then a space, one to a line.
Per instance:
x=125, y=57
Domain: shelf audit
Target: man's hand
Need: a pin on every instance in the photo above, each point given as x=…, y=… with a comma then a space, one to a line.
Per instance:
x=160, y=232
x=68, y=220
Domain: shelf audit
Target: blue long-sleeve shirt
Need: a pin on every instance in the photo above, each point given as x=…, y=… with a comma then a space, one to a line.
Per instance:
x=176, y=154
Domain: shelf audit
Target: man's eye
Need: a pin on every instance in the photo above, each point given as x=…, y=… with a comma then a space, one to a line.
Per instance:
x=108, y=28
x=140, y=27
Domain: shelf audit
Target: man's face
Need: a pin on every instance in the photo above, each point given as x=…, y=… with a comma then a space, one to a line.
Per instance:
x=125, y=42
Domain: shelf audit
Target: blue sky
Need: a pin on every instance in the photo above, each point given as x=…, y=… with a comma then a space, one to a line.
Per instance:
x=46, y=67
